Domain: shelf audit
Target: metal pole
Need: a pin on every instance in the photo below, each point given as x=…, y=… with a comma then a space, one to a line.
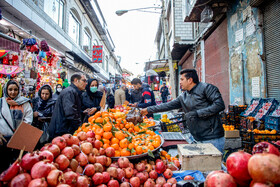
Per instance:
x=167, y=46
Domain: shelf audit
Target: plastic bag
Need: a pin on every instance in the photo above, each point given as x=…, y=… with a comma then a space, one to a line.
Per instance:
x=45, y=136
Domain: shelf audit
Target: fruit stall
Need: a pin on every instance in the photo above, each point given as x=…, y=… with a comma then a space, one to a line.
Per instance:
x=117, y=147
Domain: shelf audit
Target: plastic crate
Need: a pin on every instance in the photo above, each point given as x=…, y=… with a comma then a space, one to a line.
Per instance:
x=177, y=126
x=252, y=107
x=271, y=126
x=265, y=108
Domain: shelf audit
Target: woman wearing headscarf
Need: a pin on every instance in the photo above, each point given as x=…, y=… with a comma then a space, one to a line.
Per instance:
x=110, y=99
x=43, y=106
x=14, y=109
x=58, y=90
x=91, y=99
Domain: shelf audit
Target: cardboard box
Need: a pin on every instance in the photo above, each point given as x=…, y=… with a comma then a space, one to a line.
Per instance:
x=202, y=157
x=232, y=134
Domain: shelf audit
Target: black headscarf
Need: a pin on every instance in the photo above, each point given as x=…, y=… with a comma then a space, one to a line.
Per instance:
x=43, y=104
x=56, y=92
x=88, y=88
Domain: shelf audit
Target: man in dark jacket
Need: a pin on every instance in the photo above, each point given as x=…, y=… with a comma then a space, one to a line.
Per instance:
x=164, y=92
x=147, y=95
x=202, y=103
x=67, y=112
x=136, y=96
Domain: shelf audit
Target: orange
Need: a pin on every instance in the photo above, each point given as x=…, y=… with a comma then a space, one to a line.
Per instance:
x=163, y=153
x=107, y=135
x=136, y=129
x=127, y=125
x=130, y=146
x=139, y=150
x=121, y=126
x=98, y=137
x=107, y=127
x=117, y=153
x=99, y=131
x=145, y=149
x=97, y=114
x=104, y=114
x=124, y=143
x=106, y=146
x=115, y=140
x=119, y=121
x=119, y=135
x=125, y=152
x=99, y=120
x=115, y=146
x=130, y=130
x=151, y=147
x=156, y=143
x=106, y=141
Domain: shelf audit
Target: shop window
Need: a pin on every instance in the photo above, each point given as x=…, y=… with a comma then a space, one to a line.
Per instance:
x=87, y=41
x=74, y=28
x=55, y=9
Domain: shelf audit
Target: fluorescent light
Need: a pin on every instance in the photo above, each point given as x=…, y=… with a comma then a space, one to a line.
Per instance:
x=4, y=22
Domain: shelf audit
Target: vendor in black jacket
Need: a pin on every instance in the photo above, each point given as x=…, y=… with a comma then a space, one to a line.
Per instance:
x=201, y=103
x=67, y=112
x=91, y=99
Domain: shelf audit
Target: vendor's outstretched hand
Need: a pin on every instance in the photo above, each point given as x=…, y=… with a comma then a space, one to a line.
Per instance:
x=144, y=111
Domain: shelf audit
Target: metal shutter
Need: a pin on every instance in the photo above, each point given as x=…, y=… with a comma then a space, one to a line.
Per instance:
x=272, y=47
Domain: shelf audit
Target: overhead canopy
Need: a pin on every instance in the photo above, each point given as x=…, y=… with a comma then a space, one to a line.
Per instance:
x=151, y=72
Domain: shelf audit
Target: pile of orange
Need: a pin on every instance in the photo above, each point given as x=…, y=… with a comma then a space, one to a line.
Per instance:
x=114, y=131
x=228, y=127
x=257, y=131
x=164, y=155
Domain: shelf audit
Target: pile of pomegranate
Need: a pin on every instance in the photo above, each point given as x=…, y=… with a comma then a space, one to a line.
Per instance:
x=262, y=169
x=80, y=161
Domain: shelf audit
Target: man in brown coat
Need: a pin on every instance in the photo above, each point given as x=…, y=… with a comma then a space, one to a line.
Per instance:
x=120, y=95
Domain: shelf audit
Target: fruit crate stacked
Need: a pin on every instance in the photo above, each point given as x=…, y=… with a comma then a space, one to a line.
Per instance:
x=234, y=114
x=250, y=138
x=272, y=121
x=265, y=108
x=246, y=116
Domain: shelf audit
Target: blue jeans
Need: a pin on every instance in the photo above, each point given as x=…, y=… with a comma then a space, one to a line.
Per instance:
x=219, y=143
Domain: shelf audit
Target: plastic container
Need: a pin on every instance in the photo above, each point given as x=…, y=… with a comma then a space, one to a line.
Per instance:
x=252, y=107
x=265, y=108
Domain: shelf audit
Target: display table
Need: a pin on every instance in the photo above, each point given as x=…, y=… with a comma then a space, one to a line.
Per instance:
x=232, y=143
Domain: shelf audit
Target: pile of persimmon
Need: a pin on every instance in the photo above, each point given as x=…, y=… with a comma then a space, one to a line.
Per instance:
x=112, y=130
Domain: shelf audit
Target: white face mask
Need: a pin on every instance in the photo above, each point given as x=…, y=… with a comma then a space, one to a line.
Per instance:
x=59, y=89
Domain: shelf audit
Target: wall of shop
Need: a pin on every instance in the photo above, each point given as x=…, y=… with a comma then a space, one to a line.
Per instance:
x=216, y=60
x=188, y=64
x=245, y=53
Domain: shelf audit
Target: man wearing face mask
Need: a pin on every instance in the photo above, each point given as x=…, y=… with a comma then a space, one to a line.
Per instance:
x=91, y=99
x=58, y=90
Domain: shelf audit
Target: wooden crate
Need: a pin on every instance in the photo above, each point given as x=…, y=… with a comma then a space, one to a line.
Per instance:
x=202, y=157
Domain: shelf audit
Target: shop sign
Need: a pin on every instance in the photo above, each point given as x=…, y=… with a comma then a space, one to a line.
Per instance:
x=9, y=70
x=125, y=75
x=97, y=54
x=166, y=68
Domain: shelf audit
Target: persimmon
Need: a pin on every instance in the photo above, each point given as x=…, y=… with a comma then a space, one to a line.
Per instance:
x=124, y=143
x=107, y=135
x=125, y=152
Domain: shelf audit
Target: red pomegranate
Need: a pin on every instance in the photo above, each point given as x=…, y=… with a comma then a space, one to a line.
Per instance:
x=76, y=149
x=89, y=170
x=82, y=136
x=68, y=152
x=38, y=182
x=69, y=139
x=106, y=177
x=53, y=148
x=160, y=167
x=47, y=155
x=168, y=173
x=62, y=161
x=41, y=169
x=60, y=142
x=29, y=159
x=113, y=172
x=265, y=147
x=113, y=183
x=21, y=180
x=86, y=148
x=153, y=174
x=110, y=152
x=70, y=178
x=82, y=181
x=237, y=165
x=90, y=134
x=259, y=184
x=219, y=178
x=74, y=164
x=265, y=167
x=82, y=159
x=11, y=172
x=123, y=162
x=135, y=182
x=161, y=180
x=55, y=177
x=97, y=178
